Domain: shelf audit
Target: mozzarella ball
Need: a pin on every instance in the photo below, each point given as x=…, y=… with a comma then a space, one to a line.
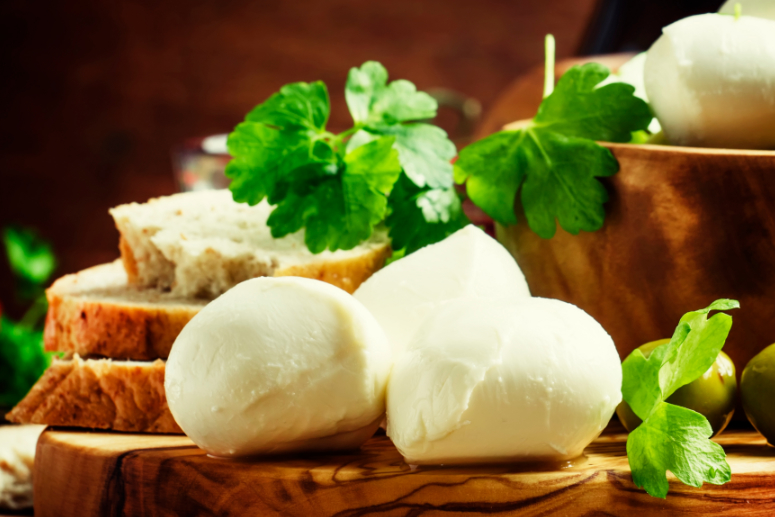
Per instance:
x=469, y=263
x=631, y=73
x=757, y=8
x=490, y=381
x=279, y=365
x=710, y=80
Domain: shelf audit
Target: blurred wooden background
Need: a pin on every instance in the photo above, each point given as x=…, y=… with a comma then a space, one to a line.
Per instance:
x=95, y=93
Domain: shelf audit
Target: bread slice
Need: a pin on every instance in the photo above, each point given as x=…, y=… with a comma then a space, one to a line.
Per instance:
x=99, y=393
x=95, y=312
x=203, y=243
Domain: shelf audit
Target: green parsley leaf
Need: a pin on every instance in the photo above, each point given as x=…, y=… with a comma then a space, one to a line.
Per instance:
x=425, y=153
x=296, y=106
x=373, y=102
x=277, y=136
x=360, y=138
x=577, y=107
x=424, y=206
x=561, y=183
x=693, y=349
x=675, y=438
x=336, y=187
x=490, y=169
x=263, y=156
x=648, y=382
x=422, y=216
x=371, y=170
x=22, y=360
x=31, y=258
x=553, y=163
x=424, y=150
x=339, y=205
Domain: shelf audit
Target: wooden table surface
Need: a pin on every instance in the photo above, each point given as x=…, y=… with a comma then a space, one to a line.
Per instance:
x=100, y=473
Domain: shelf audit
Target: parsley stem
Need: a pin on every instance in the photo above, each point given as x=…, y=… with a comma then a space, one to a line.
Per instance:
x=340, y=139
x=738, y=10
x=548, y=65
x=351, y=131
x=34, y=313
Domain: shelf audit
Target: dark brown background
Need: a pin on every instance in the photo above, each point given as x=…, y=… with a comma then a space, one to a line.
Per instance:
x=95, y=93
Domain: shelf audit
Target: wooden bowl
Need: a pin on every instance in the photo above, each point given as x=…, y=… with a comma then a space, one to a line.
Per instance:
x=683, y=227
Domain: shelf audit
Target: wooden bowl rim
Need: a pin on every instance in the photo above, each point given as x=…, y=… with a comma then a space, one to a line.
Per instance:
x=665, y=148
x=677, y=149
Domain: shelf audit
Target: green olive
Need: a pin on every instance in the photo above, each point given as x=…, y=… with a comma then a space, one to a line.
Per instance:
x=712, y=395
x=757, y=389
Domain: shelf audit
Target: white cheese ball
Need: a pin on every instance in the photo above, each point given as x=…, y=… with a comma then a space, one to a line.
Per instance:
x=757, y=8
x=467, y=264
x=488, y=381
x=710, y=80
x=279, y=365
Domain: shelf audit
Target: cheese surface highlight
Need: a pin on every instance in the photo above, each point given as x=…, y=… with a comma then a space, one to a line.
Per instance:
x=488, y=381
x=277, y=365
x=710, y=80
x=468, y=263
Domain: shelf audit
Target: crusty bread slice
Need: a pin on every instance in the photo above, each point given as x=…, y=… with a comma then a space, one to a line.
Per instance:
x=95, y=312
x=203, y=243
x=99, y=393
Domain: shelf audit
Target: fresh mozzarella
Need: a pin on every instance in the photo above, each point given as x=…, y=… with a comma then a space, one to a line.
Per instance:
x=277, y=365
x=631, y=72
x=488, y=381
x=757, y=8
x=468, y=263
x=710, y=80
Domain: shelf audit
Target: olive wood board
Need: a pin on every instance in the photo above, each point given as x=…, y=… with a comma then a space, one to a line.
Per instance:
x=85, y=474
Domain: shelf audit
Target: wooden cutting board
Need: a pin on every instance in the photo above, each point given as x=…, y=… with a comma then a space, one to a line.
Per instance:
x=103, y=474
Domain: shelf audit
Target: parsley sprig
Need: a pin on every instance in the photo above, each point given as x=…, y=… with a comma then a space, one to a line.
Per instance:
x=389, y=168
x=671, y=437
x=22, y=359
x=553, y=161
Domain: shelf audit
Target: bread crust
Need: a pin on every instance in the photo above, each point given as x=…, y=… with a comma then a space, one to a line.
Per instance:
x=200, y=244
x=91, y=326
x=347, y=274
x=110, y=327
x=101, y=394
x=82, y=320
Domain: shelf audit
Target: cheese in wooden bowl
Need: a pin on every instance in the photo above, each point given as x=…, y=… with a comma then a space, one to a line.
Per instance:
x=684, y=226
x=677, y=225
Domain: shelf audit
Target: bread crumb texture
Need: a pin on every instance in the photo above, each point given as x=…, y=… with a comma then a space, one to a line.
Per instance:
x=200, y=244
